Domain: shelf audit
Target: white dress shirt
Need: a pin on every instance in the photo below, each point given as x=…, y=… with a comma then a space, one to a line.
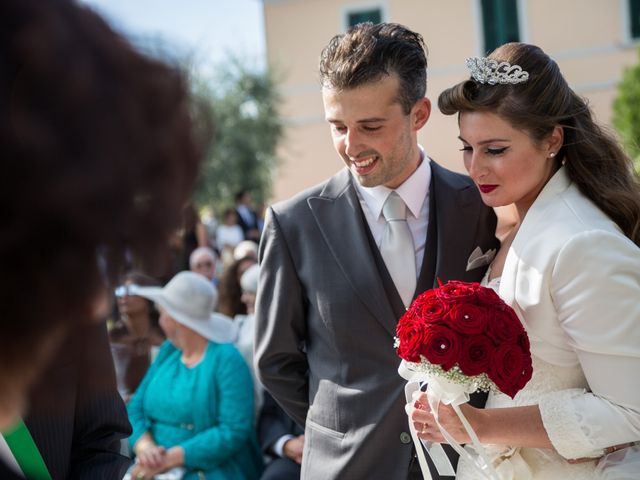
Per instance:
x=415, y=194
x=229, y=236
x=7, y=456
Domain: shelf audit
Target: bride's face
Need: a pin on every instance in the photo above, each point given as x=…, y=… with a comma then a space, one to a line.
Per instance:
x=505, y=163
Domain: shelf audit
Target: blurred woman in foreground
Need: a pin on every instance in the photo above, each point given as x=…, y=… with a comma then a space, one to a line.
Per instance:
x=99, y=155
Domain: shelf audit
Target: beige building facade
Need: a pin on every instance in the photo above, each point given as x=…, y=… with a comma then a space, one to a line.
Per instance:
x=592, y=41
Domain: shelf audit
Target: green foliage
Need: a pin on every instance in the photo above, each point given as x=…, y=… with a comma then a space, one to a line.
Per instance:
x=626, y=111
x=244, y=106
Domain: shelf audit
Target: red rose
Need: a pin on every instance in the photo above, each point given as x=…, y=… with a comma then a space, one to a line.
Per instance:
x=430, y=308
x=527, y=371
x=523, y=341
x=442, y=346
x=475, y=356
x=454, y=291
x=507, y=367
x=426, y=294
x=504, y=326
x=411, y=332
x=468, y=318
x=488, y=296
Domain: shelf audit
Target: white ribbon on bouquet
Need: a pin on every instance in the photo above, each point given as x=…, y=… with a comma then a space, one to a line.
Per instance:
x=440, y=390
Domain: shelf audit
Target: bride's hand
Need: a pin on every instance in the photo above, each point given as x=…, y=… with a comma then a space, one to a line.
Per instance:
x=422, y=417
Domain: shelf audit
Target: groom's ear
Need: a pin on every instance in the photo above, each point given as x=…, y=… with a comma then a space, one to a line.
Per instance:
x=420, y=113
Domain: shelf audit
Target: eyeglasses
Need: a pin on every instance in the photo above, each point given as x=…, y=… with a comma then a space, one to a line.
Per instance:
x=206, y=263
x=127, y=290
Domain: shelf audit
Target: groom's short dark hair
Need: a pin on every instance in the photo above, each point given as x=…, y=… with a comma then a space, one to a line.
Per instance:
x=367, y=52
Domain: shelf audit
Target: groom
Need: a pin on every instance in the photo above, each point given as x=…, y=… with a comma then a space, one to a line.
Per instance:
x=341, y=261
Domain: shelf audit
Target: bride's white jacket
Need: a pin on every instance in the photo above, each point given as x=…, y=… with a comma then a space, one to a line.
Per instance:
x=574, y=280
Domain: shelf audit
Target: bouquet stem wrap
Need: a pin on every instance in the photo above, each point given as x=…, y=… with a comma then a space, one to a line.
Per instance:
x=440, y=390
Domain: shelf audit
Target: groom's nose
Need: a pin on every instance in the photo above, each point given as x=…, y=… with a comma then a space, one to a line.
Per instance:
x=353, y=143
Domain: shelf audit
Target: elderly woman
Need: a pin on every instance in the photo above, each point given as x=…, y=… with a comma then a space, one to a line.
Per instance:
x=193, y=411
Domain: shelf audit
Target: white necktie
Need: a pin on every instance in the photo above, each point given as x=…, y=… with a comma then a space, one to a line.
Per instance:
x=397, y=248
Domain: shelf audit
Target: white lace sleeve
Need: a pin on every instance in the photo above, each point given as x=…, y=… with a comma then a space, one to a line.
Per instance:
x=569, y=434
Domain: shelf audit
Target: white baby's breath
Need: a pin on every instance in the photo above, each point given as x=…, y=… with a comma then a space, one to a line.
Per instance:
x=454, y=374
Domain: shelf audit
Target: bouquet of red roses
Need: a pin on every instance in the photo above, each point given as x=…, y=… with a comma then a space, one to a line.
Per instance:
x=466, y=334
x=459, y=338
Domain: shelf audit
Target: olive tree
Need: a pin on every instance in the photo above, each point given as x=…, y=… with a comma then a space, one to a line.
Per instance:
x=626, y=111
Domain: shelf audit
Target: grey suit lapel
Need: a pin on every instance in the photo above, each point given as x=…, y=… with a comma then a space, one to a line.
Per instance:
x=338, y=214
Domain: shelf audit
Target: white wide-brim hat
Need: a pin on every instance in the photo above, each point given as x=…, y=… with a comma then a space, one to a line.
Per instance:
x=245, y=248
x=189, y=298
x=249, y=279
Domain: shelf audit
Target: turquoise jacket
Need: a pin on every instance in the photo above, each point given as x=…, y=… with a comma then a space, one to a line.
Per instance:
x=207, y=409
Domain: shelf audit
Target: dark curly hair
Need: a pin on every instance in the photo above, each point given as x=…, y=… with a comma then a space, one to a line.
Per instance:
x=230, y=292
x=367, y=52
x=592, y=157
x=99, y=157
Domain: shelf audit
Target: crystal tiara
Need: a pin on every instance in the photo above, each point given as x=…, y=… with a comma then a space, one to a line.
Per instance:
x=492, y=72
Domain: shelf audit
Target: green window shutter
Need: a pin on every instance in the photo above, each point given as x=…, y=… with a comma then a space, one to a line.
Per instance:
x=634, y=17
x=374, y=16
x=500, y=23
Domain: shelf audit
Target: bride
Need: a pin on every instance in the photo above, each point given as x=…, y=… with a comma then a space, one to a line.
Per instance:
x=570, y=268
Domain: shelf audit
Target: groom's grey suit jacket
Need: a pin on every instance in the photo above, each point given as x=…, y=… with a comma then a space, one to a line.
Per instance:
x=327, y=312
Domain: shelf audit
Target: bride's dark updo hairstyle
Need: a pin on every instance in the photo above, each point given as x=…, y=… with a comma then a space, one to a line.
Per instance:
x=592, y=157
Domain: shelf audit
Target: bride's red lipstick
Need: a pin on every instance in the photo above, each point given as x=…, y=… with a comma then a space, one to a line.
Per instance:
x=487, y=188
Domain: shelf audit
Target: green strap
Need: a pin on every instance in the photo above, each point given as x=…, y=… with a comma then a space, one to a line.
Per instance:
x=26, y=453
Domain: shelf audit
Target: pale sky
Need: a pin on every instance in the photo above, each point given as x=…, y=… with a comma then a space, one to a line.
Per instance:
x=210, y=29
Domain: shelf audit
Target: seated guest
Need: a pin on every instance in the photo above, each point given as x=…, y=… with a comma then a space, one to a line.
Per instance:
x=194, y=408
x=230, y=301
x=135, y=335
x=245, y=325
x=246, y=248
x=203, y=260
x=282, y=440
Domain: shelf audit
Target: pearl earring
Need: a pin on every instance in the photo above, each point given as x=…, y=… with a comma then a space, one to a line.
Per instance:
x=552, y=154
